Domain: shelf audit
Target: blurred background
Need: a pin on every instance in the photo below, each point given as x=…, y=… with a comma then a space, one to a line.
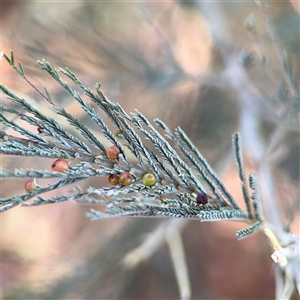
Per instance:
x=211, y=68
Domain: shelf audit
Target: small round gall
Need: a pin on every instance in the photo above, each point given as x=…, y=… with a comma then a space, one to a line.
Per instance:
x=60, y=165
x=113, y=152
x=117, y=133
x=30, y=186
x=125, y=179
x=113, y=179
x=202, y=198
x=149, y=179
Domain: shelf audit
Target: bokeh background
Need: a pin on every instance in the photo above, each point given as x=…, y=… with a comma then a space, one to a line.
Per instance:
x=193, y=65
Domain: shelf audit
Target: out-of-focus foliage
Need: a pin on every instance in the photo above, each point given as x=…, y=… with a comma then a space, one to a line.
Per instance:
x=177, y=61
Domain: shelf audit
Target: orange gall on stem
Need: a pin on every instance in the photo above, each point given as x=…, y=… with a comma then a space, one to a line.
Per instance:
x=60, y=165
x=113, y=179
x=30, y=186
x=149, y=179
x=113, y=153
x=125, y=179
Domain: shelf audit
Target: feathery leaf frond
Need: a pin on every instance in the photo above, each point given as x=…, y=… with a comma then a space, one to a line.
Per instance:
x=179, y=175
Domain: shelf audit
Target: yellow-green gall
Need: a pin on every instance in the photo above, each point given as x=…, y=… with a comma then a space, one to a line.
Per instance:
x=117, y=133
x=125, y=179
x=149, y=179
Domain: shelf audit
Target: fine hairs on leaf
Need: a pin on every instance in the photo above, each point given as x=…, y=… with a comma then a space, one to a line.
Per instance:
x=236, y=144
x=185, y=173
